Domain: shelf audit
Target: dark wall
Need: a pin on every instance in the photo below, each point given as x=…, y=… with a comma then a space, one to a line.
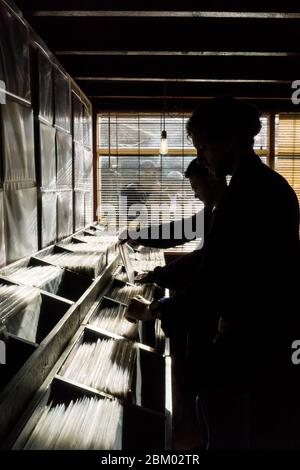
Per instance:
x=46, y=144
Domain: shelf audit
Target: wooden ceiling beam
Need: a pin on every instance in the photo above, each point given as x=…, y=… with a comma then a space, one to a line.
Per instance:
x=177, y=80
x=184, y=67
x=187, y=89
x=164, y=14
x=186, y=105
x=179, y=35
x=197, y=97
x=160, y=5
x=179, y=53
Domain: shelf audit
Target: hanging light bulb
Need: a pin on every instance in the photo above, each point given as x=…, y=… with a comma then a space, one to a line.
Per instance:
x=164, y=137
x=164, y=143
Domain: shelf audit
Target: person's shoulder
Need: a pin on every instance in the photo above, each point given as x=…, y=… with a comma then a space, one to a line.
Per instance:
x=264, y=179
x=275, y=183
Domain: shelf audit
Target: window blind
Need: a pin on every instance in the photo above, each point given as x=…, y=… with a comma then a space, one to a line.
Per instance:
x=261, y=140
x=287, y=161
x=130, y=165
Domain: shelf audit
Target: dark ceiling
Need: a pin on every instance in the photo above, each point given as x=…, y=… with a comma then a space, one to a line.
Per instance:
x=125, y=58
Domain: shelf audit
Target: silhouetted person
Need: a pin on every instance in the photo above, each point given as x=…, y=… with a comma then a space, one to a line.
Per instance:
x=248, y=280
x=179, y=273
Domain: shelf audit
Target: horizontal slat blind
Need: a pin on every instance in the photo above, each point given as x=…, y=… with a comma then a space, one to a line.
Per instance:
x=131, y=132
x=261, y=139
x=134, y=131
x=288, y=149
x=130, y=165
x=149, y=180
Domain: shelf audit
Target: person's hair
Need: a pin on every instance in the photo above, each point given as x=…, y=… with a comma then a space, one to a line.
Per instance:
x=197, y=169
x=148, y=165
x=174, y=176
x=222, y=117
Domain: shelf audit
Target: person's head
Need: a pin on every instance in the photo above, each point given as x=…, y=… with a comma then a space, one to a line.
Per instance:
x=148, y=172
x=223, y=131
x=174, y=181
x=206, y=187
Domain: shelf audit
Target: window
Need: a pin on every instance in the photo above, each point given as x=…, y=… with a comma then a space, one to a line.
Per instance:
x=261, y=140
x=130, y=165
x=287, y=161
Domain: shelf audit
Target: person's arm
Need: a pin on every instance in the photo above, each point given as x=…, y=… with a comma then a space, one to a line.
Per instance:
x=188, y=311
x=174, y=233
x=177, y=274
x=184, y=312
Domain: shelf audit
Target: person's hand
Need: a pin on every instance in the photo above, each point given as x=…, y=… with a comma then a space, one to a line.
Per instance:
x=142, y=278
x=138, y=309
